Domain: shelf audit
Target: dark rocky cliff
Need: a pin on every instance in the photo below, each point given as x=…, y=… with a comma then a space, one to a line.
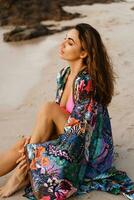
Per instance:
x=31, y=12
x=21, y=12
x=86, y=2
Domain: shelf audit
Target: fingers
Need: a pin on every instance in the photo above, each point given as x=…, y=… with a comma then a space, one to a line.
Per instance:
x=22, y=151
x=27, y=140
x=20, y=159
x=22, y=164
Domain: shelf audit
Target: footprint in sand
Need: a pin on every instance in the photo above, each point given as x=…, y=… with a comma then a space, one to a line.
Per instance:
x=4, y=119
x=121, y=54
x=118, y=145
x=126, y=62
x=130, y=149
x=116, y=156
x=131, y=127
x=116, y=93
x=107, y=38
x=114, y=21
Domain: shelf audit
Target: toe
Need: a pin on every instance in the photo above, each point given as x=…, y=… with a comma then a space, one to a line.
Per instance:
x=1, y=193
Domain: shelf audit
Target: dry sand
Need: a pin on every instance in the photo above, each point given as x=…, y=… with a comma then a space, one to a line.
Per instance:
x=28, y=79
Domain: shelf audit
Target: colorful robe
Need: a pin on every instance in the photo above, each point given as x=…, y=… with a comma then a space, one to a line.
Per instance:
x=81, y=159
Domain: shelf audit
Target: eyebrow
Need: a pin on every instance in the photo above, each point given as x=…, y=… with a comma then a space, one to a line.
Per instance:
x=71, y=39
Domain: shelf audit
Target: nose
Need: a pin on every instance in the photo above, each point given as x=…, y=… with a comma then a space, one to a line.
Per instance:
x=63, y=43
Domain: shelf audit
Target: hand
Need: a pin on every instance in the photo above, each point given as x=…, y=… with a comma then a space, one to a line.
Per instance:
x=22, y=162
x=22, y=151
x=22, y=169
x=27, y=141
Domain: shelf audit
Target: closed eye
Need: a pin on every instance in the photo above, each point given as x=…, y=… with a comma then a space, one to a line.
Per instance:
x=70, y=43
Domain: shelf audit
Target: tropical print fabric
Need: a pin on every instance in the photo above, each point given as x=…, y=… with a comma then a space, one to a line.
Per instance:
x=81, y=159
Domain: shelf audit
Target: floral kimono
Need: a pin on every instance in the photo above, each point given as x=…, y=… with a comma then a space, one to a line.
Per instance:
x=81, y=159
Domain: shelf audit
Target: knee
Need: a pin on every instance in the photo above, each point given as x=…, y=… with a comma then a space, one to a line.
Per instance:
x=46, y=109
x=19, y=145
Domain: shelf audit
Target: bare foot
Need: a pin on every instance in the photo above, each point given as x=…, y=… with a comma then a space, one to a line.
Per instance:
x=12, y=186
x=18, y=180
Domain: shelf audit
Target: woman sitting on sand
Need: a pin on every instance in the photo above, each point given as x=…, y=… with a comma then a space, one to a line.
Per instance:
x=70, y=151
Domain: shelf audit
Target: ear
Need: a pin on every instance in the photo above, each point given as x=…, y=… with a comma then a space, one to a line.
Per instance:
x=83, y=54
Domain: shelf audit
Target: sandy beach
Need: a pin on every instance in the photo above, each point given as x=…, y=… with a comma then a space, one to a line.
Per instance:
x=28, y=79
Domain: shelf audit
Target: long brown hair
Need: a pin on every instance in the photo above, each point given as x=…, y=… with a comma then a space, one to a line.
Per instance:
x=99, y=64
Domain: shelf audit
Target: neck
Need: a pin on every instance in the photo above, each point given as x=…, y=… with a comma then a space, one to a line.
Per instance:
x=76, y=67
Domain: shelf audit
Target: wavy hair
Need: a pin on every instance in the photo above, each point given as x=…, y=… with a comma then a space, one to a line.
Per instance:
x=99, y=64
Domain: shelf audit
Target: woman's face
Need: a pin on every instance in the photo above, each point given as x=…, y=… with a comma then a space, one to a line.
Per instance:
x=70, y=48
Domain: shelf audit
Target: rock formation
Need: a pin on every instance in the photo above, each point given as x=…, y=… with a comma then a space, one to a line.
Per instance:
x=27, y=12
x=30, y=13
x=29, y=32
x=87, y=2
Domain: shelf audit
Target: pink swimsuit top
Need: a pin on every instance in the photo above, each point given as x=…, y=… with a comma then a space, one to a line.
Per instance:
x=70, y=104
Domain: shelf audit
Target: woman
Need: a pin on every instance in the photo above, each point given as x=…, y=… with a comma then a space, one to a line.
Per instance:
x=71, y=149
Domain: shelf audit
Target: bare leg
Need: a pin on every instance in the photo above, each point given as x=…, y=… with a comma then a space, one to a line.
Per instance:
x=43, y=126
x=49, y=122
x=45, y=129
x=50, y=119
x=14, y=184
x=8, y=159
